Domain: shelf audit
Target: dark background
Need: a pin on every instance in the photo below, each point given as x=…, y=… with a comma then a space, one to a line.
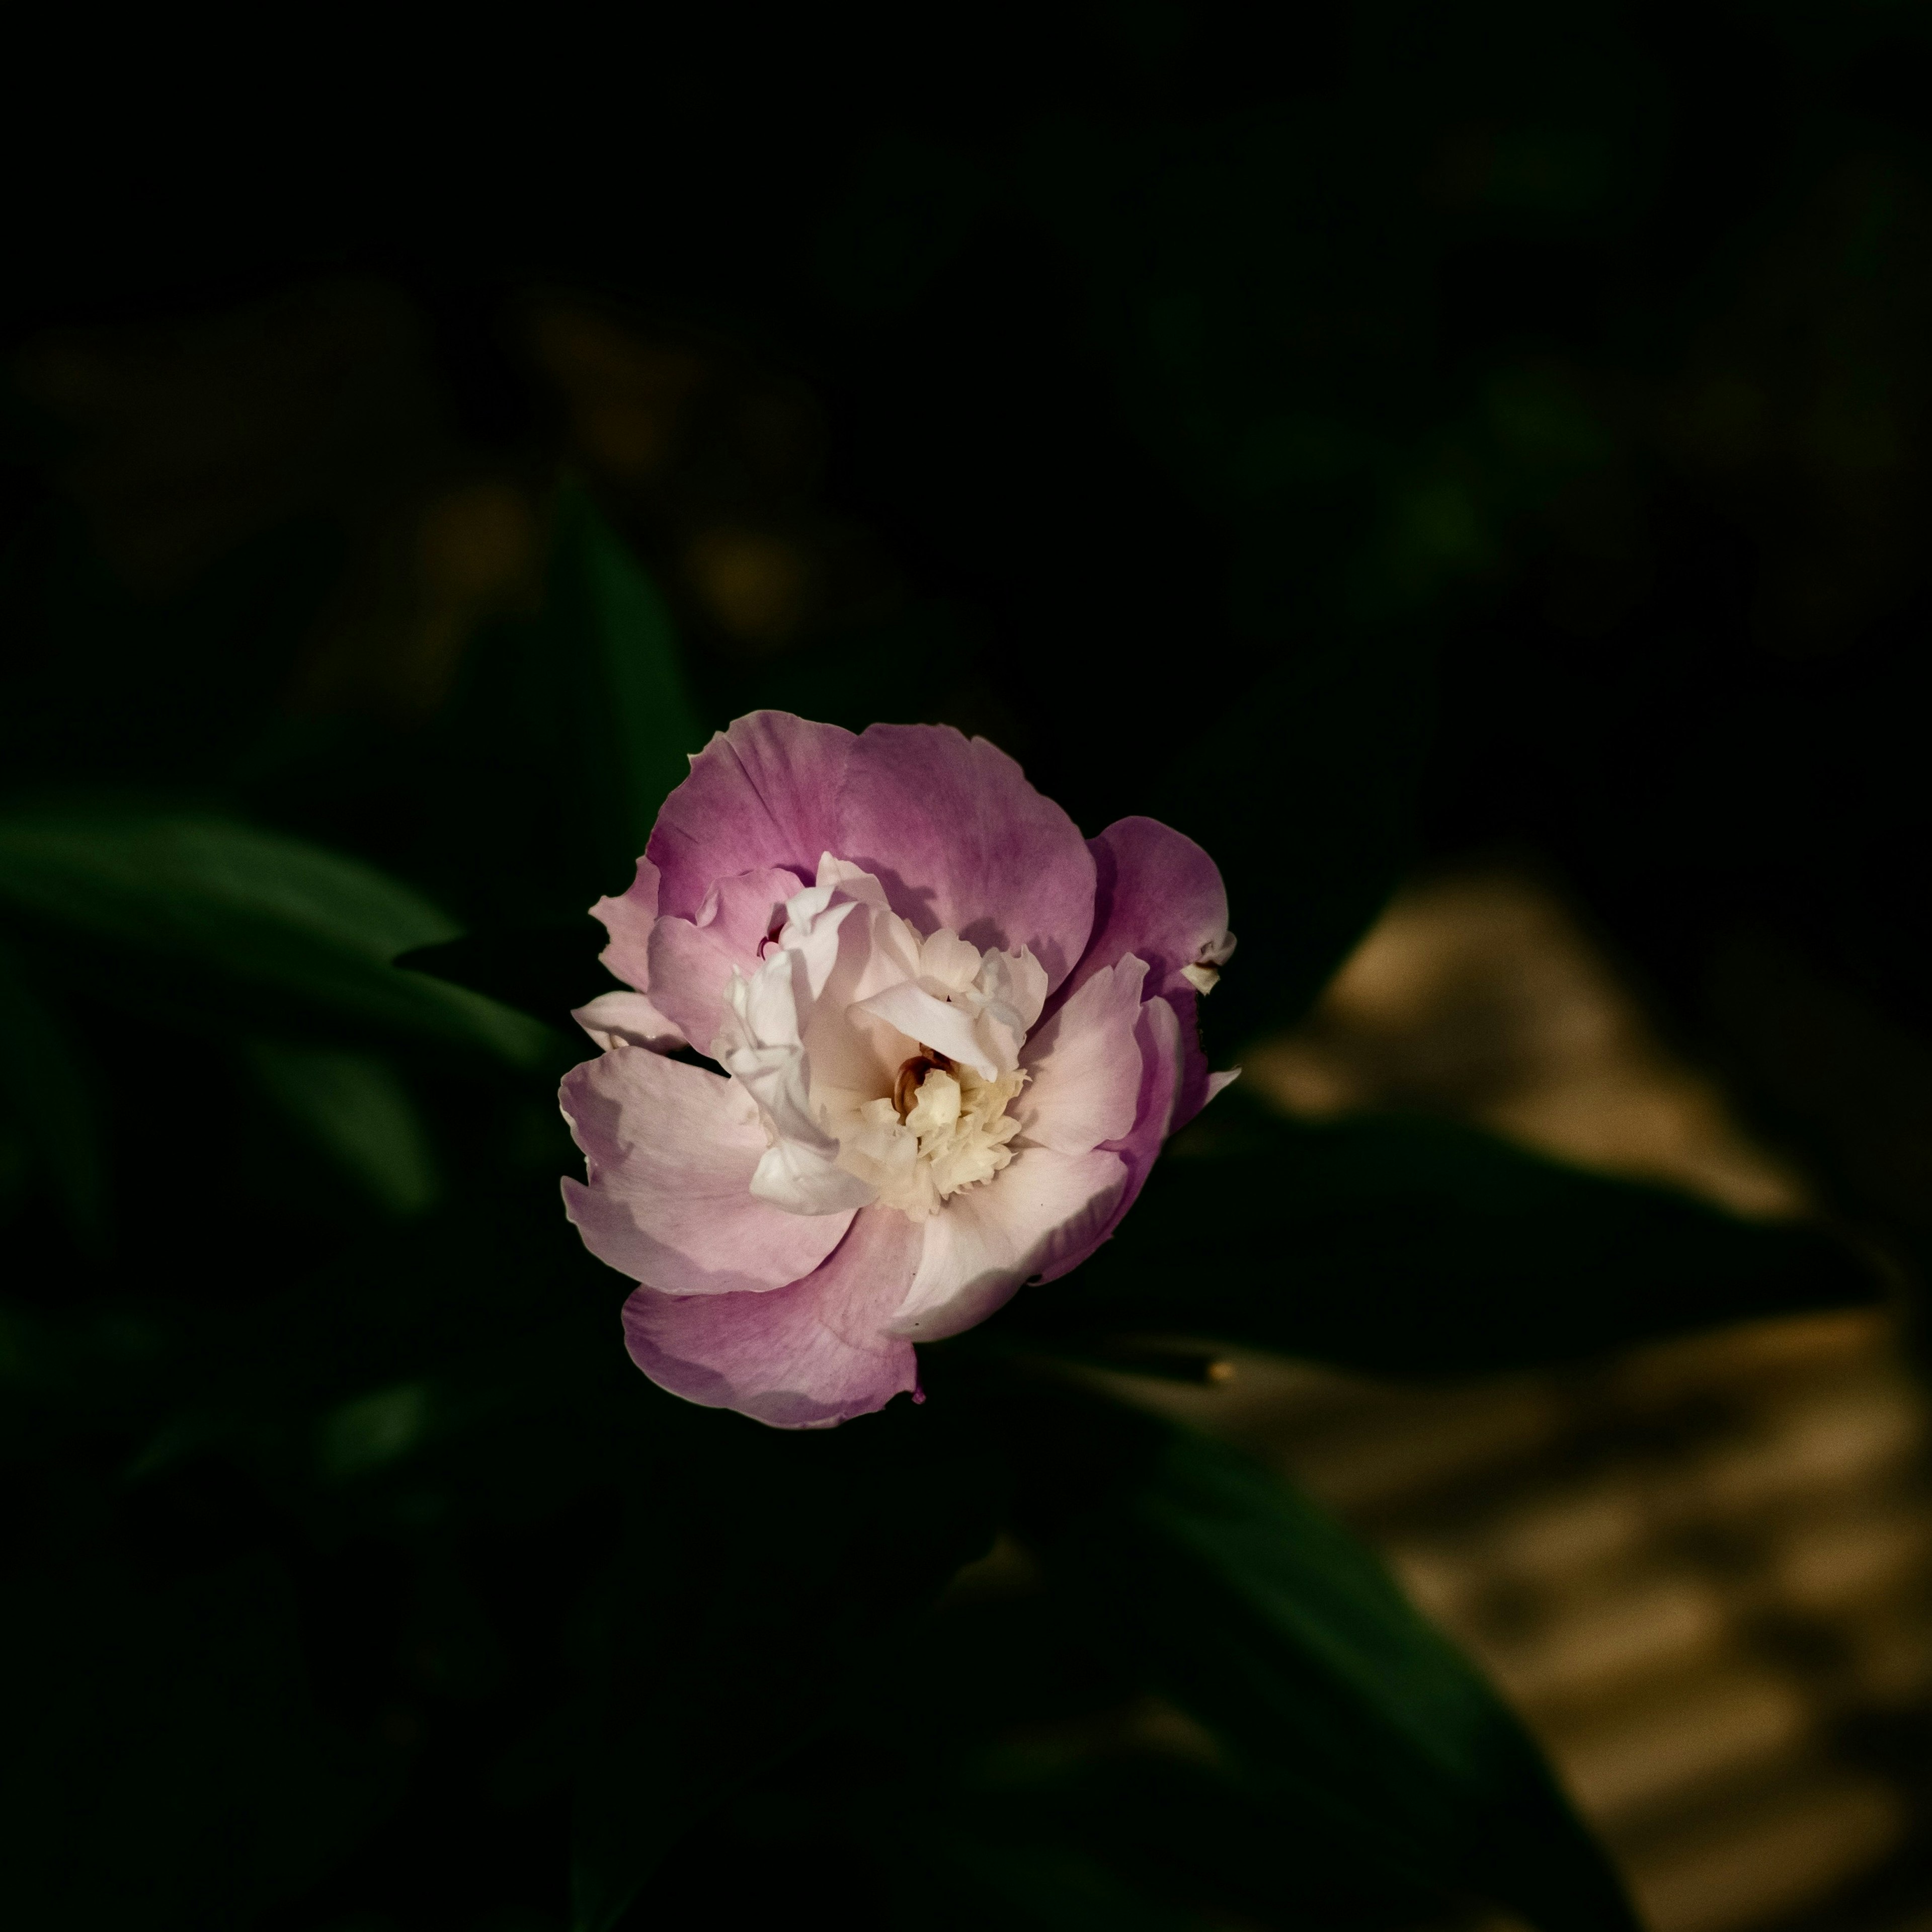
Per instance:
x=1365, y=440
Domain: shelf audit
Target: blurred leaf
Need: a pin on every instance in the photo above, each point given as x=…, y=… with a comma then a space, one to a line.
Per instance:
x=1302, y=795
x=543, y=970
x=50, y=1094
x=463, y=1337
x=567, y=729
x=1178, y=1837
x=249, y=906
x=740, y=1618
x=1281, y=1632
x=638, y=720
x=1415, y=1246
x=354, y=1106
x=973, y=1878
x=373, y=1430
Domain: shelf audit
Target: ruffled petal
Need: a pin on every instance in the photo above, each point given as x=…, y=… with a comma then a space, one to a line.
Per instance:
x=628, y=919
x=692, y=959
x=985, y=1241
x=1158, y=1033
x=933, y=1023
x=1085, y=1064
x=1159, y=896
x=951, y=828
x=764, y=793
x=670, y=1150
x=759, y=1044
x=630, y=1018
x=805, y=1356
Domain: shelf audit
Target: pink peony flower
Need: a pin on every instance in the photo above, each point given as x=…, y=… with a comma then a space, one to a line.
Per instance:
x=953, y=1035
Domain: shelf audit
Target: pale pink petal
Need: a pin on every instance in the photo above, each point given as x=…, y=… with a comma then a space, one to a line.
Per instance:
x=805, y=1356
x=630, y=1018
x=692, y=959
x=670, y=1150
x=959, y=839
x=1175, y=1087
x=1159, y=896
x=1024, y=1221
x=1085, y=1065
x=764, y=793
x=628, y=919
x=1158, y=1032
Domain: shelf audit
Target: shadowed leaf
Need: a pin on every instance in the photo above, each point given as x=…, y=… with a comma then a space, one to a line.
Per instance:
x=1281, y=1632
x=1414, y=1246
x=237, y=903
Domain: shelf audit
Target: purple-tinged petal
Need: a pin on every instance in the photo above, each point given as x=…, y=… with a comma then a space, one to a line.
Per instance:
x=1165, y=1073
x=691, y=960
x=764, y=792
x=1086, y=1065
x=670, y=1150
x=805, y=1356
x=1024, y=1222
x=628, y=918
x=631, y=1019
x=958, y=838
x=1158, y=1032
x=1198, y=1086
x=1159, y=896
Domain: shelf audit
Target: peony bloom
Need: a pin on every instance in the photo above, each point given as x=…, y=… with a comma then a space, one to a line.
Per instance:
x=950, y=1034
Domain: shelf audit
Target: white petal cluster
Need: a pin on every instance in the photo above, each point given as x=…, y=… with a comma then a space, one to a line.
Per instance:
x=882, y=1061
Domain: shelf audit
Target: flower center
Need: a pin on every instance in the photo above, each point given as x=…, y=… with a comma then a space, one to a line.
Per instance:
x=912, y=1076
x=944, y=1127
x=881, y=1059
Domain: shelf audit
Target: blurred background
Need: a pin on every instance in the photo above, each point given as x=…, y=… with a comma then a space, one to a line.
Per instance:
x=1516, y=421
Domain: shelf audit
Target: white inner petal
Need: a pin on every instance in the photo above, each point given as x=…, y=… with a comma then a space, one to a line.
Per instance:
x=883, y=1061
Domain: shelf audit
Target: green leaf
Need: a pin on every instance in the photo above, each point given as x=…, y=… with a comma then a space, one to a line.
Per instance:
x=253, y=908
x=1416, y=1247
x=357, y=1109
x=1276, y=1629
x=1168, y=1833
x=639, y=723
x=567, y=729
x=972, y=1878
x=50, y=1094
x=1302, y=796
x=537, y=969
x=784, y=1566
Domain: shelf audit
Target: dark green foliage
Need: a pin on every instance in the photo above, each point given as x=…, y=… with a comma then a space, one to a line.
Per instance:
x=1416, y=1247
x=213, y=904
x=734, y=1627
x=48, y=1091
x=166, y=1763
x=1303, y=795
x=1272, y=1625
